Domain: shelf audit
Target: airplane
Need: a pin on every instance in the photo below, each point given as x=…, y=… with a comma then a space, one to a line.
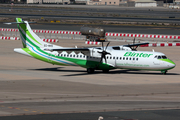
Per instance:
x=92, y=58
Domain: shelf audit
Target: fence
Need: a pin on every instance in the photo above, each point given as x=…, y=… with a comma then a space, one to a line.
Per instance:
x=52, y=34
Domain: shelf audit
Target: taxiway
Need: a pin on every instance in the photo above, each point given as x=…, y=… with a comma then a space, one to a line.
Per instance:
x=30, y=87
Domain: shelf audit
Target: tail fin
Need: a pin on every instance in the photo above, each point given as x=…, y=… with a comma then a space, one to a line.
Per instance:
x=28, y=37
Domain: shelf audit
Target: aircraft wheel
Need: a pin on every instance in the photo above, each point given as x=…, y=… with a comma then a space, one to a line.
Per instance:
x=164, y=72
x=105, y=71
x=90, y=70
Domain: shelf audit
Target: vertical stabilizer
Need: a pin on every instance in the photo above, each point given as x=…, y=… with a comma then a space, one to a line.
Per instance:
x=28, y=37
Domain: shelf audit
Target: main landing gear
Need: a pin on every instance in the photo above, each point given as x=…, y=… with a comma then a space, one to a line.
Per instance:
x=90, y=70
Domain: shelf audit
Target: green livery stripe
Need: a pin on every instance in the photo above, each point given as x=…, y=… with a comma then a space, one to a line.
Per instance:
x=24, y=36
x=167, y=60
x=23, y=26
x=19, y=20
x=27, y=33
x=148, y=69
x=24, y=45
x=80, y=62
x=40, y=57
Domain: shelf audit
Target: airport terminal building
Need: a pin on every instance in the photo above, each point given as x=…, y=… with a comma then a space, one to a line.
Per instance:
x=125, y=3
x=56, y=1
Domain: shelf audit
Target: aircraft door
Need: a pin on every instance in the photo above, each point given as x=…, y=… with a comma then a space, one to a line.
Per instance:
x=156, y=61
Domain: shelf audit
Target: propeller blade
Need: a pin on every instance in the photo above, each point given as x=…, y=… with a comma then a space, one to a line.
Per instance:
x=102, y=46
x=103, y=54
x=105, y=58
x=107, y=45
x=101, y=59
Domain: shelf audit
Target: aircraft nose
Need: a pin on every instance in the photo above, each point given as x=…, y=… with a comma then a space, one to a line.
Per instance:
x=171, y=64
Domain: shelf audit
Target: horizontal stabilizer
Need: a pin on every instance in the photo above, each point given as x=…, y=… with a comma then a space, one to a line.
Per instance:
x=17, y=23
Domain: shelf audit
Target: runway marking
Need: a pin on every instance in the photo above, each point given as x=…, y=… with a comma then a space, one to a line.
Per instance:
x=15, y=108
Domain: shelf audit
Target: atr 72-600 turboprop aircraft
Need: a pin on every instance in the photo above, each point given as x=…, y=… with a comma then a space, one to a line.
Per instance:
x=94, y=58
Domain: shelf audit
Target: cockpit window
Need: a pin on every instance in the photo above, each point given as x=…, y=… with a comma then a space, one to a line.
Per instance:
x=164, y=57
x=160, y=57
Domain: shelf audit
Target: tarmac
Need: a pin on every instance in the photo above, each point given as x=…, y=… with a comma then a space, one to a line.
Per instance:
x=32, y=89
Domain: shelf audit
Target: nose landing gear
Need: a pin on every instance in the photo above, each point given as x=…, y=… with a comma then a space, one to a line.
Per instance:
x=164, y=72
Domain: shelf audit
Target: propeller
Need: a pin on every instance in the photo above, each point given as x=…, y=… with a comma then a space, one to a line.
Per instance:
x=104, y=53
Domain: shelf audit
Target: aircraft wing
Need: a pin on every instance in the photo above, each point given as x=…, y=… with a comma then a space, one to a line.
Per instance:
x=85, y=51
x=138, y=44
